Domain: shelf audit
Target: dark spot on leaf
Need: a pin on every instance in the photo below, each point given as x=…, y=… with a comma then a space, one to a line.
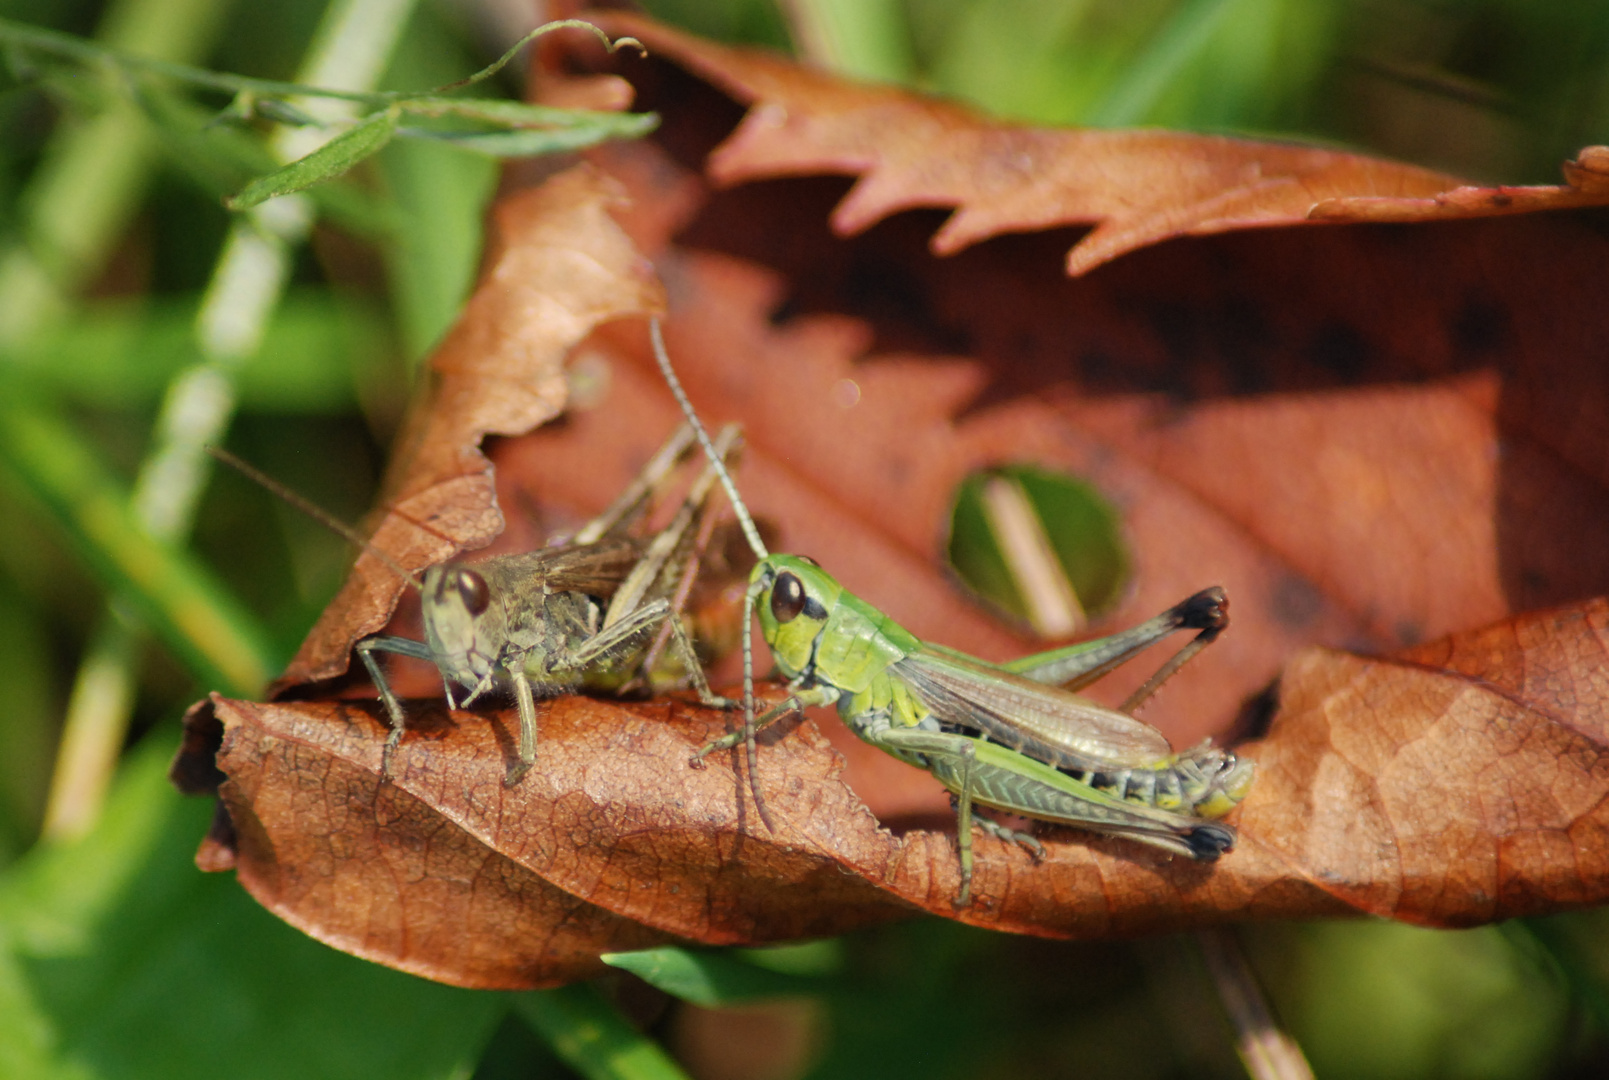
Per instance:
x=1480, y=327
x=1295, y=602
x=1340, y=350
x=1255, y=716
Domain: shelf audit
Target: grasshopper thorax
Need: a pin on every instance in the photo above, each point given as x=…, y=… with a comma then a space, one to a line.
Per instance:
x=455, y=602
x=794, y=598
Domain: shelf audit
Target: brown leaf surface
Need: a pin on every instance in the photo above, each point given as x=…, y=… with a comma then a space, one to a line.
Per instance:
x=372, y=869
x=1372, y=436
x=1457, y=783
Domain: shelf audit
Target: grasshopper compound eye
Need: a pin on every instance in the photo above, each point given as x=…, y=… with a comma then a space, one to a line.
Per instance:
x=472, y=591
x=787, y=598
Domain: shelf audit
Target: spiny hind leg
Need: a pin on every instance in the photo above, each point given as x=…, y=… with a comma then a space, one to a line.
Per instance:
x=695, y=670
x=669, y=567
x=614, y=640
x=630, y=502
x=1076, y=666
x=609, y=650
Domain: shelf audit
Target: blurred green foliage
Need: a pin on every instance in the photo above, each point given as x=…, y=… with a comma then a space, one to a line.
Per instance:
x=1081, y=529
x=118, y=959
x=1496, y=90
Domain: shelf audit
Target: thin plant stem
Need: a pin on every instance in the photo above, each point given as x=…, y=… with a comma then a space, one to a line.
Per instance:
x=1267, y=1051
x=54, y=43
x=591, y=1036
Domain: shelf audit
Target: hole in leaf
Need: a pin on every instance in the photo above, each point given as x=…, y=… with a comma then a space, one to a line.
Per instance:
x=1043, y=546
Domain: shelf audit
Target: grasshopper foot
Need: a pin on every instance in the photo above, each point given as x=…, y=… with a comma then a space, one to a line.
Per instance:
x=516, y=772
x=963, y=899
x=1011, y=836
x=723, y=743
x=388, y=752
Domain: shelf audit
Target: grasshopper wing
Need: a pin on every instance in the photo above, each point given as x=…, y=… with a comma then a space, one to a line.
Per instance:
x=595, y=569
x=1044, y=722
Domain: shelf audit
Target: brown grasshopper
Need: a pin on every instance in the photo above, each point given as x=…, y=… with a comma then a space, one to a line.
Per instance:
x=592, y=613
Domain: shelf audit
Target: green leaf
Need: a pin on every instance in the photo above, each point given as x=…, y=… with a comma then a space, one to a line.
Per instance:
x=710, y=978
x=529, y=142
x=592, y=1037
x=118, y=959
x=186, y=607
x=330, y=160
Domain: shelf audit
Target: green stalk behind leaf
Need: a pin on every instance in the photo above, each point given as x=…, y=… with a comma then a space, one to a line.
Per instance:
x=92, y=173
x=191, y=612
x=592, y=1037
x=710, y=977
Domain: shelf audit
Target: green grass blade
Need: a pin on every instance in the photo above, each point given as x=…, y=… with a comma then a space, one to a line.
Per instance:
x=122, y=354
x=119, y=960
x=711, y=978
x=222, y=158
x=328, y=161
x=865, y=39
x=440, y=196
x=185, y=606
x=592, y=1037
x=528, y=142
x=90, y=178
x=1143, y=80
x=505, y=113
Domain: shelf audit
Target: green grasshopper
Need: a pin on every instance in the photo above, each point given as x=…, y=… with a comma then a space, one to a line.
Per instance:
x=593, y=613
x=997, y=735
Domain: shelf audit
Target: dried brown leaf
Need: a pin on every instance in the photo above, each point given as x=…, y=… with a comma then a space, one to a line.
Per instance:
x=369, y=868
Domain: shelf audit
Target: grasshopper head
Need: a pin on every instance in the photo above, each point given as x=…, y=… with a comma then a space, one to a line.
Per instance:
x=794, y=597
x=454, y=600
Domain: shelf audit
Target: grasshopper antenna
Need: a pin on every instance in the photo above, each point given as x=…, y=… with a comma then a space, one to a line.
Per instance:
x=662, y=357
x=314, y=511
x=751, y=533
